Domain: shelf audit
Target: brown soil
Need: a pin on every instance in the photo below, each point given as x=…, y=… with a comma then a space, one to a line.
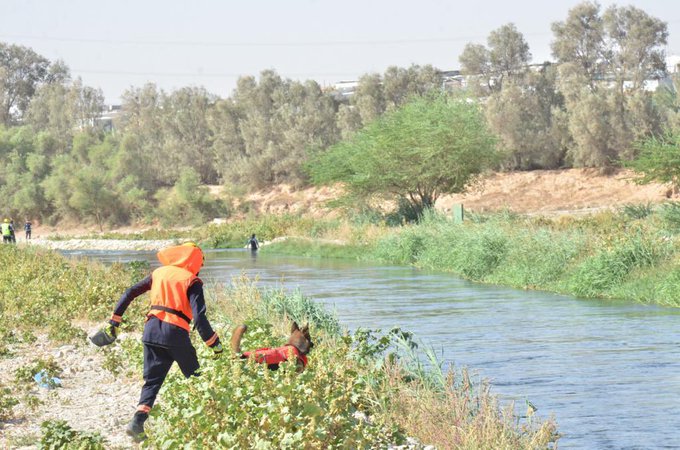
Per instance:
x=538, y=192
x=547, y=192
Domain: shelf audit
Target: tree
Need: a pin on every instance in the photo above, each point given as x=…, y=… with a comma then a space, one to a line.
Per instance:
x=528, y=122
x=21, y=72
x=401, y=84
x=188, y=202
x=188, y=140
x=270, y=126
x=506, y=58
x=369, y=98
x=658, y=160
x=604, y=61
x=429, y=147
x=579, y=45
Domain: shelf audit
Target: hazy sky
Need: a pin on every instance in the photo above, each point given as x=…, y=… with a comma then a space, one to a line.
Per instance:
x=121, y=43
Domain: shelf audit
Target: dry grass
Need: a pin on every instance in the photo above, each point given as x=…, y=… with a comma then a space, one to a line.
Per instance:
x=462, y=415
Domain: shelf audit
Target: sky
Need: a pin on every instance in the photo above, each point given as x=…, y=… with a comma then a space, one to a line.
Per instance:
x=115, y=45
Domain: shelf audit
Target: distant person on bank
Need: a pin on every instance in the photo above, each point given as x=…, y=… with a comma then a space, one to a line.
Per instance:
x=253, y=243
x=7, y=230
x=27, y=230
x=176, y=299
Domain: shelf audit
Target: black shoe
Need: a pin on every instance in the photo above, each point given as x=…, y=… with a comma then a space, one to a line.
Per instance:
x=136, y=426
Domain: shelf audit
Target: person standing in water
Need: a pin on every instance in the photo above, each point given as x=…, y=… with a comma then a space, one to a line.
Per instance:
x=253, y=243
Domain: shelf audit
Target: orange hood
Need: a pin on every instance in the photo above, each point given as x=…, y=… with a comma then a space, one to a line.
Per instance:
x=184, y=256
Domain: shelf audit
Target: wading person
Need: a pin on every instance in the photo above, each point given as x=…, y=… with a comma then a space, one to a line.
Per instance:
x=176, y=299
x=253, y=243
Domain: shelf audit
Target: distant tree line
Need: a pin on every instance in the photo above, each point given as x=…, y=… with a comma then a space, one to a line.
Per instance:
x=587, y=109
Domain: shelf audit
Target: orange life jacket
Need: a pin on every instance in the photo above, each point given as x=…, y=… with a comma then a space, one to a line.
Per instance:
x=276, y=355
x=170, y=283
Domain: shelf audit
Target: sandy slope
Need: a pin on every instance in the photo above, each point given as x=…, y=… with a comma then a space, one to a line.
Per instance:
x=539, y=191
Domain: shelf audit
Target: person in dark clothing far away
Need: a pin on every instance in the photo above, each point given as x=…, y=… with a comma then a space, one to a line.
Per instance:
x=27, y=230
x=253, y=243
x=176, y=299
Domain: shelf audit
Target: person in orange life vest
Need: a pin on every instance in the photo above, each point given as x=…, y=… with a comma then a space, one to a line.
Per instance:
x=176, y=300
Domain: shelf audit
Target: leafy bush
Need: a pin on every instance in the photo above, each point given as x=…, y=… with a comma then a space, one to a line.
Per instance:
x=639, y=211
x=238, y=404
x=58, y=435
x=596, y=275
x=670, y=214
x=7, y=402
x=45, y=289
x=25, y=374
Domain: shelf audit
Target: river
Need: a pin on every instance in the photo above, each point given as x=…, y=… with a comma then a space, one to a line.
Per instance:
x=608, y=371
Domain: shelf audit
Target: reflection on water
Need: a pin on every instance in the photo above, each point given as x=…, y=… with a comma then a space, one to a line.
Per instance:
x=608, y=371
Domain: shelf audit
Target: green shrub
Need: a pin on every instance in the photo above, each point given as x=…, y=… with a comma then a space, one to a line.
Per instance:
x=539, y=258
x=7, y=402
x=58, y=435
x=670, y=214
x=596, y=275
x=25, y=374
x=639, y=211
x=238, y=404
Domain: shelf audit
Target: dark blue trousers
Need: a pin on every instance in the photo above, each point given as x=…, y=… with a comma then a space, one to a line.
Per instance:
x=157, y=363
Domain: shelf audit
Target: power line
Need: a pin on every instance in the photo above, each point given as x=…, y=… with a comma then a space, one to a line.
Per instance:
x=199, y=74
x=251, y=44
x=264, y=44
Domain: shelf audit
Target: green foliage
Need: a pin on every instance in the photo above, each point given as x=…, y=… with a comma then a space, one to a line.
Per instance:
x=596, y=275
x=670, y=213
x=658, y=160
x=58, y=435
x=428, y=147
x=7, y=402
x=237, y=404
x=51, y=369
x=639, y=211
x=299, y=308
x=235, y=234
x=316, y=248
x=188, y=203
x=46, y=290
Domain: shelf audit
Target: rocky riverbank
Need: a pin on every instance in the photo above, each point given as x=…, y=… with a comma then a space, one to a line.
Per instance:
x=101, y=244
x=90, y=398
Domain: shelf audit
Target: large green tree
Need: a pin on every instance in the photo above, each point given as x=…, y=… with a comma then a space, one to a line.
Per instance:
x=428, y=147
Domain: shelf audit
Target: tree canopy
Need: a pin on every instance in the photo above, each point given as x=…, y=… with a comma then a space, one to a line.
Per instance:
x=428, y=147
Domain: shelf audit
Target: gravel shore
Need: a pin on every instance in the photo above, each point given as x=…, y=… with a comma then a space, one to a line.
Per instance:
x=100, y=244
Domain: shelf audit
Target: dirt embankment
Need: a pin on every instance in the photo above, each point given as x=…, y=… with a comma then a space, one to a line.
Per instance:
x=558, y=191
x=548, y=192
x=535, y=192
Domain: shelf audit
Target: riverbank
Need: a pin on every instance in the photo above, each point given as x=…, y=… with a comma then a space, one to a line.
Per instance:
x=632, y=253
x=100, y=244
x=350, y=395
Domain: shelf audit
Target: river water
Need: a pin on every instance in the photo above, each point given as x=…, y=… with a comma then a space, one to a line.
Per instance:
x=608, y=371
